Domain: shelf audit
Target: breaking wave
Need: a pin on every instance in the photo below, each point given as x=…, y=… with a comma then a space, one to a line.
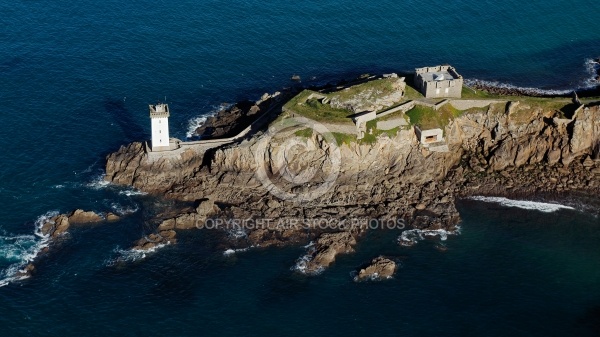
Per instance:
x=131, y=192
x=521, y=90
x=231, y=251
x=98, y=182
x=132, y=255
x=20, y=250
x=592, y=69
x=196, y=122
x=301, y=265
x=123, y=210
x=411, y=237
x=524, y=204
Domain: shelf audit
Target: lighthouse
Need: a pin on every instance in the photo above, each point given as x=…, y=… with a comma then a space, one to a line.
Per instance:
x=159, y=117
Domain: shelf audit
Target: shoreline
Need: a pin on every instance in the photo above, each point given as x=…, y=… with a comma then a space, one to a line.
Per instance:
x=490, y=153
x=504, y=149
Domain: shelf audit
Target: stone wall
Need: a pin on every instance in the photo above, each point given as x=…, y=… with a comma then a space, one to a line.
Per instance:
x=403, y=107
x=392, y=123
x=446, y=88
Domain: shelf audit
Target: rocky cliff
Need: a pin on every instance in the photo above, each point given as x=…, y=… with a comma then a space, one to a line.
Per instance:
x=391, y=178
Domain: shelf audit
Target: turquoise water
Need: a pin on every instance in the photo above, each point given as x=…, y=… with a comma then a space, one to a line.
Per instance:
x=76, y=81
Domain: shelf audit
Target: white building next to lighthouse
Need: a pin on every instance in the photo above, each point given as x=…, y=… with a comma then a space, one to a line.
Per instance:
x=159, y=116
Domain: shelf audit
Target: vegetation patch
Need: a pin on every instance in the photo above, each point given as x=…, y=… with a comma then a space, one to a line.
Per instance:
x=469, y=93
x=344, y=138
x=375, y=88
x=314, y=109
x=339, y=105
x=563, y=108
x=412, y=93
x=306, y=133
x=429, y=118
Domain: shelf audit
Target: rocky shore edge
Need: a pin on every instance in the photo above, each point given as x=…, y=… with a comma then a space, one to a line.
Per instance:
x=56, y=228
x=512, y=150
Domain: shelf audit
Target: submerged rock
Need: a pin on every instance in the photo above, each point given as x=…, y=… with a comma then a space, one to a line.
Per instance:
x=112, y=217
x=153, y=241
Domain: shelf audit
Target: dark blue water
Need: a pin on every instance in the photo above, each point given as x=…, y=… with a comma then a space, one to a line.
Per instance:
x=76, y=78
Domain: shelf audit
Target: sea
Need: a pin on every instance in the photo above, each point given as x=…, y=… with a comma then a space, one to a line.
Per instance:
x=76, y=78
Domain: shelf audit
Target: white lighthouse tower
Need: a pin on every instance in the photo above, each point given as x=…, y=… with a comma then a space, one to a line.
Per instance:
x=159, y=117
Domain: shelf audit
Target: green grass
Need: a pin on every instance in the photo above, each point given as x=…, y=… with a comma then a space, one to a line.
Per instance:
x=316, y=110
x=560, y=106
x=393, y=115
x=412, y=93
x=306, y=133
x=428, y=118
x=379, y=87
x=344, y=138
x=468, y=93
x=372, y=133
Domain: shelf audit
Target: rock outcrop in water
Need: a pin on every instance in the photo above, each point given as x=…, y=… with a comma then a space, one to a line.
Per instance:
x=325, y=250
x=380, y=268
x=505, y=149
x=59, y=224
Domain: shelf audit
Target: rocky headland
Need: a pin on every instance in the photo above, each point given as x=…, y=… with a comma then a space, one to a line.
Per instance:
x=504, y=149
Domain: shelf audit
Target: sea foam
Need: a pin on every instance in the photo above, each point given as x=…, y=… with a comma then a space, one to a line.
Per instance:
x=590, y=82
x=524, y=204
x=132, y=255
x=301, y=265
x=231, y=251
x=522, y=90
x=123, y=210
x=132, y=192
x=196, y=122
x=411, y=237
x=98, y=182
x=20, y=250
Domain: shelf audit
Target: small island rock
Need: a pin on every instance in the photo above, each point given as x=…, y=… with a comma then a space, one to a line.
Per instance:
x=380, y=268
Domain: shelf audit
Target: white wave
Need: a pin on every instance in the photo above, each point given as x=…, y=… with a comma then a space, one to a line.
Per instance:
x=232, y=251
x=123, y=210
x=373, y=277
x=194, y=124
x=524, y=204
x=132, y=255
x=58, y=186
x=309, y=245
x=592, y=68
x=301, y=265
x=98, y=183
x=22, y=250
x=523, y=90
x=132, y=192
x=411, y=237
